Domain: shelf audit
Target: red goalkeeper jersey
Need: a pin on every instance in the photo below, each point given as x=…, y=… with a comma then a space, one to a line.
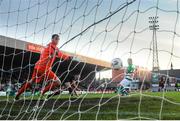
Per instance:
x=48, y=56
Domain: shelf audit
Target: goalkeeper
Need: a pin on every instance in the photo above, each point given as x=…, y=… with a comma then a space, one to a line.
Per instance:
x=127, y=79
x=42, y=69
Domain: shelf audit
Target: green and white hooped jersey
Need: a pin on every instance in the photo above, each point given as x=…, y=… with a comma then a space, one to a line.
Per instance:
x=130, y=68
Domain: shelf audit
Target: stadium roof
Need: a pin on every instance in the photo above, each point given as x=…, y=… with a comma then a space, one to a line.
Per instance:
x=19, y=54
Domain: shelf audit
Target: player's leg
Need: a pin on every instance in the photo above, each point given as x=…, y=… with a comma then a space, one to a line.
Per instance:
x=122, y=84
x=24, y=87
x=50, y=75
x=68, y=86
x=57, y=92
x=27, y=85
x=124, y=91
x=75, y=87
x=121, y=90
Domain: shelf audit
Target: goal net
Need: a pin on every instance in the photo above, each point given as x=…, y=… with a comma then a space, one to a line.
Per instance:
x=94, y=32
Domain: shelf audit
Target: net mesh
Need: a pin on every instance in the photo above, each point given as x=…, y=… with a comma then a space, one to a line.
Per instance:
x=98, y=29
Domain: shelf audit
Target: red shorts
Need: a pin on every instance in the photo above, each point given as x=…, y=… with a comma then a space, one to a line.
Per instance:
x=41, y=74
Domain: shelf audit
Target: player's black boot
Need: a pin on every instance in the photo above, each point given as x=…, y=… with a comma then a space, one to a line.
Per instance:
x=54, y=94
x=16, y=98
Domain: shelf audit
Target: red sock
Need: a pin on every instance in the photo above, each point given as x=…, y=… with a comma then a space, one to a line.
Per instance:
x=23, y=88
x=49, y=87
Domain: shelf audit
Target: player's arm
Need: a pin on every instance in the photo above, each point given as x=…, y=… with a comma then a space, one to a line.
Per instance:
x=63, y=55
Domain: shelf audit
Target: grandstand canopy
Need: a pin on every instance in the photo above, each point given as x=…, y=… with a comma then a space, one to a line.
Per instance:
x=16, y=55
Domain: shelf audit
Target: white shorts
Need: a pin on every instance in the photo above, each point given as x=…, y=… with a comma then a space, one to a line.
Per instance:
x=125, y=82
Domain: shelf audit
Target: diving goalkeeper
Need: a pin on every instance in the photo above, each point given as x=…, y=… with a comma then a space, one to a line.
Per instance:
x=42, y=70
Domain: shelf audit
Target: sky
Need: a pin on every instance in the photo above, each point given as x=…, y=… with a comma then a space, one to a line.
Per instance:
x=36, y=20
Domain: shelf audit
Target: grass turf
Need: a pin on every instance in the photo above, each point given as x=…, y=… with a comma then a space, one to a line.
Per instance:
x=147, y=105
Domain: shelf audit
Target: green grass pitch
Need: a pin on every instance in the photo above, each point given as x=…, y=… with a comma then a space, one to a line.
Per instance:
x=147, y=105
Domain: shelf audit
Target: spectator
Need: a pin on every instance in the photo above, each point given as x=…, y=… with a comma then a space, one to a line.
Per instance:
x=161, y=84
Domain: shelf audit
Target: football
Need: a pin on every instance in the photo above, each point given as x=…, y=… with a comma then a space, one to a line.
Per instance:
x=116, y=63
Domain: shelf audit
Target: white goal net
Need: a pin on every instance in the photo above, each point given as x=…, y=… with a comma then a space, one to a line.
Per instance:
x=94, y=32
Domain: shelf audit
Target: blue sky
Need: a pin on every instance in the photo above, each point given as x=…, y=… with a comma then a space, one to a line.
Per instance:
x=96, y=43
